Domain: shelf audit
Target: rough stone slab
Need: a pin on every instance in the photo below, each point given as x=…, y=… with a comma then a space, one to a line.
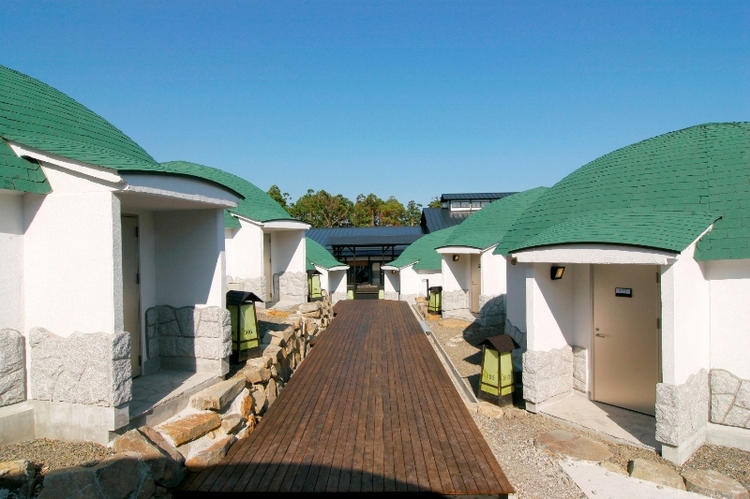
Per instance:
x=682, y=410
x=164, y=444
x=164, y=470
x=122, y=475
x=232, y=423
x=566, y=443
x=655, y=472
x=17, y=478
x=210, y=456
x=713, y=484
x=191, y=427
x=254, y=374
x=490, y=410
x=218, y=396
x=614, y=468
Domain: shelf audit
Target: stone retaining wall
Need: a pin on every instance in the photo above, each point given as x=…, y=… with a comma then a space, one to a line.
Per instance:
x=491, y=310
x=292, y=286
x=187, y=333
x=520, y=338
x=255, y=285
x=730, y=399
x=547, y=374
x=89, y=369
x=682, y=410
x=455, y=300
x=12, y=367
x=580, y=369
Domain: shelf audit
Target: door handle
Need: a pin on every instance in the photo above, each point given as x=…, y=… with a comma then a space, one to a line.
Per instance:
x=600, y=335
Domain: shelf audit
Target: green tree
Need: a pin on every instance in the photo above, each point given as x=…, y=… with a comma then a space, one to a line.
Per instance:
x=321, y=209
x=435, y=203
x=282, y=199
x=367, y=210
x=413, y=213
x=392, y=212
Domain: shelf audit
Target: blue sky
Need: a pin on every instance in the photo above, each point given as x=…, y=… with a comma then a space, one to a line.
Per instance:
x=410, y=99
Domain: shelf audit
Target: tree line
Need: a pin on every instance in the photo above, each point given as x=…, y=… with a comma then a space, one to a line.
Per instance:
x=322, y=209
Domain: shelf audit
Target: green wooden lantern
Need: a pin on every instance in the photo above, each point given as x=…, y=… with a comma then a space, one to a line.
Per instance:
x=497, y=382
x=245, y=333
x=314, y=291
x=435, y=304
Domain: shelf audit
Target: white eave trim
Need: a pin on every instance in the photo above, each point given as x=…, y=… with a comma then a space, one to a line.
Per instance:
x=337, y=268
x=285, y=225
x=460, y=250
x=179, y=187
x=595, y=254
x=104, y=174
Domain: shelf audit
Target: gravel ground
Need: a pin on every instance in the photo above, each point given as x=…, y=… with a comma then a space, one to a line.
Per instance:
x=536, y=473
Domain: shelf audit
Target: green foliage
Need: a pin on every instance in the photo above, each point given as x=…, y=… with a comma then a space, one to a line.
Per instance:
x=321, y=209
x=282, y=199
x=413, y=213
x=435, y=203
x=367, y=210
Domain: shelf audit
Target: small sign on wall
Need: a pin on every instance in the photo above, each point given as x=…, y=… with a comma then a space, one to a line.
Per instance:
x=625, y=292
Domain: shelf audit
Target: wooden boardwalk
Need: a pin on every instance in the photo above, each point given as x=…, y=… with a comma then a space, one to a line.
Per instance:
x=371, y=409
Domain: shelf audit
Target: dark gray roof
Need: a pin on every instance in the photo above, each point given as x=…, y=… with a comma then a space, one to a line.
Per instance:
x=435, y=219
x=492, y=196
x=374, y=238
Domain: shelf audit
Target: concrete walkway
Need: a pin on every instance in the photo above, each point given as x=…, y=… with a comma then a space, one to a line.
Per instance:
x=620, y=424
x=598, y=483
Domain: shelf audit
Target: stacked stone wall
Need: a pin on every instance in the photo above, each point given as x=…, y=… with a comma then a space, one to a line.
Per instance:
x=547, y=374
x=730, y=399
x=89, y=369
x=12, y=367
x=580, y=369
x=491, y=310
x=520, y=338
x=682, y=410
x=455, y=300
x=292, y=286
x=201, y=333
x=255, y=285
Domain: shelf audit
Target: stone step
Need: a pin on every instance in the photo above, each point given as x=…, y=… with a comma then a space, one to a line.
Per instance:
x=655, y=472
x=569, y=444
x=190, y=427
x=218, y=396
x=713, y=484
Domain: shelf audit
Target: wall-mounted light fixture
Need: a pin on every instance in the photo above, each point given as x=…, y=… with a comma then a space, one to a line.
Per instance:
x=556, y=272
x=513, y=261
x=393, y=271
x=456, y=257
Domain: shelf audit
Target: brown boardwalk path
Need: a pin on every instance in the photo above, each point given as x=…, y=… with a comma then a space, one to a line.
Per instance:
x=371, y=409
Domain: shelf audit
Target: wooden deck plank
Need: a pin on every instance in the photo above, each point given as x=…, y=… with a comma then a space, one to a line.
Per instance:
x=370, y=409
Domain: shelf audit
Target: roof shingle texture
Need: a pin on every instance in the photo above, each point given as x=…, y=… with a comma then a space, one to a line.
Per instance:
x=18, y=174
x=257, y=205
x=318, y=255
x=36, y=115
x=422, y=251
x=488, y=226
x=660, y=193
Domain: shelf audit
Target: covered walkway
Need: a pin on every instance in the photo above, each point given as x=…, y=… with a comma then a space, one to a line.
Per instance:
x=371, y=409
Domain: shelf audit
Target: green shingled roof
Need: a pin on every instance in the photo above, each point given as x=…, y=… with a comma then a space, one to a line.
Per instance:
x=257, y=205
x=488, y=226
x=36, y=115
x=18, y=174
x=660, y=193
x=422, y=252
x=318, y=255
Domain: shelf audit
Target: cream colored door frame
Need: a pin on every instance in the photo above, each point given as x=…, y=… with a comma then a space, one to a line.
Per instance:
x=131, y=289
x=626, y=355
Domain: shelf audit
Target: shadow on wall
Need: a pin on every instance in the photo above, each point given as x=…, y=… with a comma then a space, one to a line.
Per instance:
x=492, y=310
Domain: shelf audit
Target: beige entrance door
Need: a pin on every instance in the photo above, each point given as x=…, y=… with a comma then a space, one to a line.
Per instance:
x=131, y=290
x=626, y=336
x=476, y=280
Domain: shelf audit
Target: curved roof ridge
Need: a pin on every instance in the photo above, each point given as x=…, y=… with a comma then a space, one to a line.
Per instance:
x=703, y=169
x=37, y=115
x=318, y=255
x=257, y=205
x=422, y=252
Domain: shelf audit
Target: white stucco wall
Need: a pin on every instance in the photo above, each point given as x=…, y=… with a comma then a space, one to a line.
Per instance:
x=72, y=261
x=244, y=250
x=288, y=251
x=492, y=273
x=391, y=284
x=582, y=304
x=686, y=322
x=729, y=283
x=456, y=275
x=412, y=281
x=190, y=265
x=11, y=261
x=549, y=308
x=515, y=297
x=333, y=281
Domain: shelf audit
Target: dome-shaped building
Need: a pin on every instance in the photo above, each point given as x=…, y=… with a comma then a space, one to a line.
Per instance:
x=637, y=281
x=95, y=238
